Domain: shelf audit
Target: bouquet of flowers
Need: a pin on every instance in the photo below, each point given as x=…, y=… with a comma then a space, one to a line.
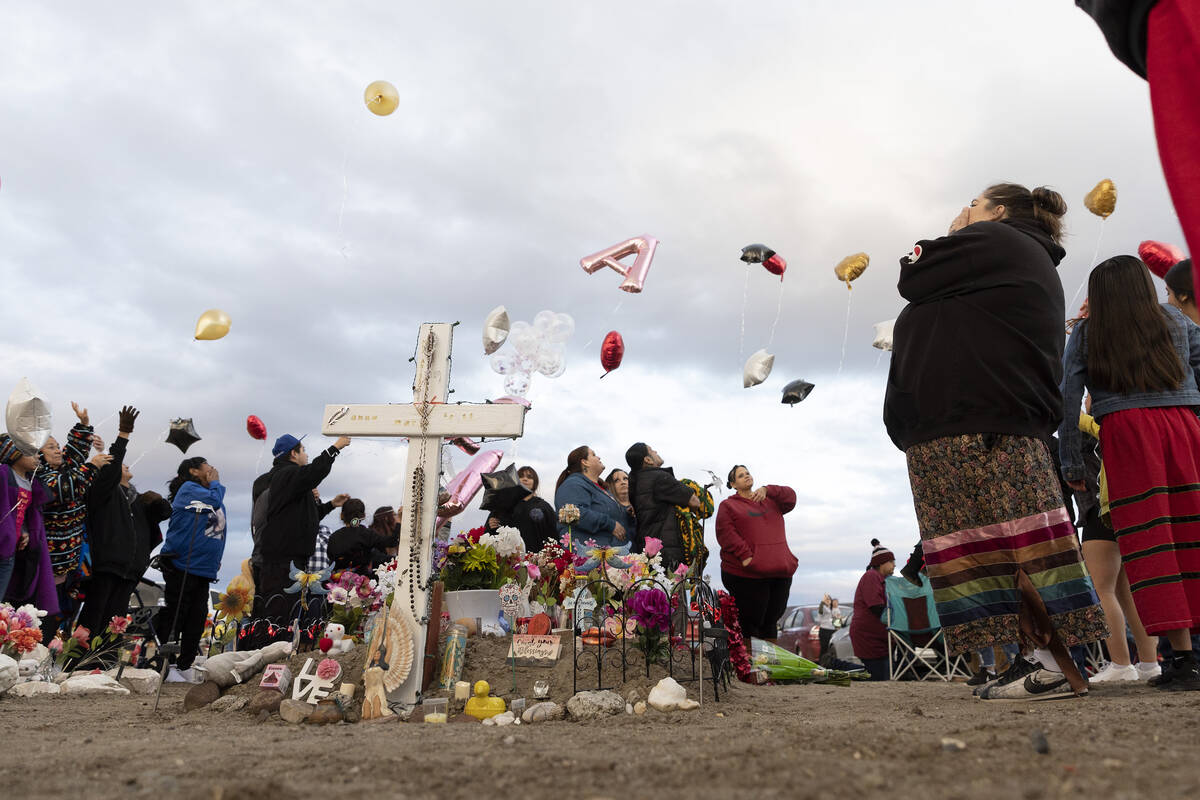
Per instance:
x=650, y=610
x=784, y=666
x=479, y=560
x=352, y=597
x=551, y=571
x=20, y=629
x=82, y=650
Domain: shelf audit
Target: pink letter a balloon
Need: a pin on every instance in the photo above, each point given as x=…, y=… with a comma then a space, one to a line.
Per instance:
x=635, y=274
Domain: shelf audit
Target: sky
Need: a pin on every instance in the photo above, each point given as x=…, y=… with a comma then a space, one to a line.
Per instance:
x=154, y=164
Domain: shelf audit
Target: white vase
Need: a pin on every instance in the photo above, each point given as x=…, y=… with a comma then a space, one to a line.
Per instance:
x=472, y=603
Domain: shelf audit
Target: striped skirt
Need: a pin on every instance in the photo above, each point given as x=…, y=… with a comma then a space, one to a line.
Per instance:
x=1152, y=460
x=989, y=506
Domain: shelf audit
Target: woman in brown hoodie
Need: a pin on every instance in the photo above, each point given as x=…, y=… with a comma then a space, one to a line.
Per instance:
x=756, y=563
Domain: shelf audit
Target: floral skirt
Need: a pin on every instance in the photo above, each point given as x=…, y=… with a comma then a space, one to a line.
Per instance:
x=989, y=506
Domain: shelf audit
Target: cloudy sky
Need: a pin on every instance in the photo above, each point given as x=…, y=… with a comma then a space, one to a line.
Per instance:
x=156, y=163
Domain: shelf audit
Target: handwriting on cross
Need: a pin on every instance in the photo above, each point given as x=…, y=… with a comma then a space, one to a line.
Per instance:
x=425, y=423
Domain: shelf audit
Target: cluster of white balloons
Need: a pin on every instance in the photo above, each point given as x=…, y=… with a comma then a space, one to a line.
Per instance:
x=537, y=347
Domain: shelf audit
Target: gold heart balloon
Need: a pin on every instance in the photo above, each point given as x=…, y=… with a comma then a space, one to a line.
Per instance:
x=381, y=98
x=213, y=324
x=1102, y=199
x=851, y=267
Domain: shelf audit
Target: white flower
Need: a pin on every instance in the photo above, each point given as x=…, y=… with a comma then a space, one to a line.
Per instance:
x=338, y=596
x=508, y=542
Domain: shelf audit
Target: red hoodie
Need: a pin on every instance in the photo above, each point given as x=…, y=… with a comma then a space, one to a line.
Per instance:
x=746, y=528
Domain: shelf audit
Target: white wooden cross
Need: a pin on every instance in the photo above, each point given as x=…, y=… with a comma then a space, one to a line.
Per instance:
x=425, y=423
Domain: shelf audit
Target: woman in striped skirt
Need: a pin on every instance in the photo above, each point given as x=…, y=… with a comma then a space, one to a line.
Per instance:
x=973, y=400
x=1141, y=362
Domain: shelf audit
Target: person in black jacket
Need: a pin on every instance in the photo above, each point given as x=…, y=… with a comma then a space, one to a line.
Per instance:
x=356, y=547
x=288, y=534
x=123, y=527
x=532, y=516
x=655, y=492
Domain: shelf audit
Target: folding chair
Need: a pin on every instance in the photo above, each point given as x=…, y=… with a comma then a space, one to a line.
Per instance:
x=916, y=644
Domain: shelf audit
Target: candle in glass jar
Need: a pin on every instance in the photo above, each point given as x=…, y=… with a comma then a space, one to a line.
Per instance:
x=462, y=691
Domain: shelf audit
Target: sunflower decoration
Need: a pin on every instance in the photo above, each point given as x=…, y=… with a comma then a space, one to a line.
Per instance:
x=691, y=525
x=237, y=601
x=307, y=583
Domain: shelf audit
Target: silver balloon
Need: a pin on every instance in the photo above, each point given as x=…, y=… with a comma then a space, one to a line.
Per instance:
x=27, y=418
x=757, y=368
x=884, y=334
x=495, y=330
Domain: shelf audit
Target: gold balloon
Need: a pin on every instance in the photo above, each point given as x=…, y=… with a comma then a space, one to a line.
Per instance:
x=1102, y=200
x=851, y=267
x=213, y=324
x=381, y=98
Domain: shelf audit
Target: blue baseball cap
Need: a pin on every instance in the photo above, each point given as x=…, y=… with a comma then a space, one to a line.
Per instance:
x=285, y=444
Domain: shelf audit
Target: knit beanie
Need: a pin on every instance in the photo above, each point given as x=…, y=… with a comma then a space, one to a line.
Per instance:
x=880, y=555
x=9, y=452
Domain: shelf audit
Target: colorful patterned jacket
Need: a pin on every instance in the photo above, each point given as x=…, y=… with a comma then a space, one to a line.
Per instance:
x=65, y=512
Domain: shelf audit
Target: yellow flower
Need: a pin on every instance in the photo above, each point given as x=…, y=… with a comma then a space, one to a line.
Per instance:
x=237, y=600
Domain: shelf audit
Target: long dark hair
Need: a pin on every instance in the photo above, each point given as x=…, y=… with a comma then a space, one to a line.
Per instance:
x=1044, y=207
x=1129, y=346
x=381, y=522
x=575, y=460
x=353, y=509
x=183, y=475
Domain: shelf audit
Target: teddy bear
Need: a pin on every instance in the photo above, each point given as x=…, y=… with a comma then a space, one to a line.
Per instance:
x=336, y=632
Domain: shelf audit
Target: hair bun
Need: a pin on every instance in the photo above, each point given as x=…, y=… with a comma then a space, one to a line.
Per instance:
x=1050, y=201
x=874, y=543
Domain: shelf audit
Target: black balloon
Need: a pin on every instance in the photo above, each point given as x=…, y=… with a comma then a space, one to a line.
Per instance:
x=796, y=391
x=502, y=490
x=756, y=253
x=183, y=434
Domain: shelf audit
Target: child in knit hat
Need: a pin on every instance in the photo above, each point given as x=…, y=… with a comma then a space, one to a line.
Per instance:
x=25, y=572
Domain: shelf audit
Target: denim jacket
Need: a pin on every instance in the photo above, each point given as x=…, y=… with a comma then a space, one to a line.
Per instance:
x=1186, y=337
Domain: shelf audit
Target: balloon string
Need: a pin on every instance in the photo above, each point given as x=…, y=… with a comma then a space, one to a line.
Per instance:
x=258, y=462
x=742, y=337
x=612, y=313
x=346, y=184
x=846, y=333
x=879, y=358
x=1088, y=273
x=778, y=311
x=160, y=440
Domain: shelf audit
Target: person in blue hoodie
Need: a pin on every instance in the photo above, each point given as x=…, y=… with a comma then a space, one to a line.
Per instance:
x=191, y=556
x=601, y=517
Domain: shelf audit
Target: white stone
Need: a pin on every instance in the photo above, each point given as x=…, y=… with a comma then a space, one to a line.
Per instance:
x=539, y=712
x=31, y=688
x=294, y=711
x=138, y=681
x=593, y=705
x=92, y=684
x=500, y=720
x=668, y=695
x=629, y=708
x=9, y=673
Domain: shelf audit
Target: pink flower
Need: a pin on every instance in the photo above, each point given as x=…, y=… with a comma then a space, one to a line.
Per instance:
x=56, y=645
x=532, y=570
x=653, y=546
x=82, y=635
x=328, y=669
x=681, y=570
x=118, y=624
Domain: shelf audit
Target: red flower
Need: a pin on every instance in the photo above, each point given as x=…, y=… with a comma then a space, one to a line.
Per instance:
x=474, y=534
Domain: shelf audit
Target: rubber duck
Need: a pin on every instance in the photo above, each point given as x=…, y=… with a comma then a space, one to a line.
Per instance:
x=483, y=706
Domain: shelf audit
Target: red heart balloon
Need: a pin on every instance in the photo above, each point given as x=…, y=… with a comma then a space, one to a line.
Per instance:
x=776, y=265
x=612, y=351
x=256, y=427
x=1159, y=256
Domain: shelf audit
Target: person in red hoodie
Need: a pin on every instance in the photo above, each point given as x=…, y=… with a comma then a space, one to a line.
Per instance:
x=756, y=563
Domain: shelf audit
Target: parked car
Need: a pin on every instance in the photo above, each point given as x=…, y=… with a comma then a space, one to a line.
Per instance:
x=839, y=644
x=799, y=633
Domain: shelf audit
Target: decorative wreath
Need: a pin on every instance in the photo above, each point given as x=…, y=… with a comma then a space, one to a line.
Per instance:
x=691, y=527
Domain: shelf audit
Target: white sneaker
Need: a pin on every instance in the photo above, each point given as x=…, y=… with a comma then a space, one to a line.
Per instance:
x=1147, y=670
x=1115, y=673
x=181, y=676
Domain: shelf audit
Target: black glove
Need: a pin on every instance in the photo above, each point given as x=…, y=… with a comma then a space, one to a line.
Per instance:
x=128, y=415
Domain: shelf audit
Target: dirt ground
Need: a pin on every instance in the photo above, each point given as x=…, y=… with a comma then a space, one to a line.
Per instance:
x=868, y=740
